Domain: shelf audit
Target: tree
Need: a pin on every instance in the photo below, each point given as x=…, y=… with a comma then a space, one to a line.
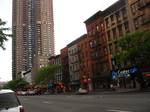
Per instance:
x=16, y=84
x=135, y=48
x=3, y=35
x=46, y=74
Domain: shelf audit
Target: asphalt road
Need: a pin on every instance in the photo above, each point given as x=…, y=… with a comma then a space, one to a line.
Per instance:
x=139, y=102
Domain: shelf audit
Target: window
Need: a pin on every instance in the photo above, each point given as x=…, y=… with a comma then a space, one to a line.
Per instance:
x=116, y=47
x=141, y=20
x=124, y=13
x=141, y=3
x=126, y=26
x=146, y=19
x=93, y=55
x=89, y=33
x=93, y=43
x=112, y=17
x=134, y=8
x=120, y=30
x=105, y=50
x=118, y=16
x=97, y=28
x=8, y=100
x=136, y=24
x=110, y=48
x=114, y=33
x=108, y=35
x=102, y=27
x=107, y=22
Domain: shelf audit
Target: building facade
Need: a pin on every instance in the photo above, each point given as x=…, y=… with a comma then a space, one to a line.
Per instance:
x=116, y=24
x=56, y=60
x=124, y=16
x=74, y=65
x=33, y=35
x=99, y=61
x=65, y=65
x=139, y=13
x=85, y=62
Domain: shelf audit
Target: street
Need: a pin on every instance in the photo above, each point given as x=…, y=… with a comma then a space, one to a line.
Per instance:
x=135, y=102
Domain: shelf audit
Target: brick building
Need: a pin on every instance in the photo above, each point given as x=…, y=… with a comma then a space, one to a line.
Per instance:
x=92, y=55
x=99, y=64
x=116, y=24
x=65, y=65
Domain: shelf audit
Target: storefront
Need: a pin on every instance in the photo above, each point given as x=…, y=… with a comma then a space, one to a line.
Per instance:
x=146, y=76
x=74, y=85
x=125, y=78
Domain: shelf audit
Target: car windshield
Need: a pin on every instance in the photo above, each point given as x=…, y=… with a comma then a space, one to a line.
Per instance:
x=8, y=100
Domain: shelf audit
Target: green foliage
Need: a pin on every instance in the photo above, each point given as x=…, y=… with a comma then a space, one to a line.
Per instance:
x=16, y=84
x=3, y=35
x=45, y=74
x=135, y=46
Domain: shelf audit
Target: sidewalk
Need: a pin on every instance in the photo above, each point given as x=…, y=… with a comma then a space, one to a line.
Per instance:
x=99, y=92
x=118, y=91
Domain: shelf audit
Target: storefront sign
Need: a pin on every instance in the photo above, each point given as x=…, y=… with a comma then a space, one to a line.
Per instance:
x=124, y=73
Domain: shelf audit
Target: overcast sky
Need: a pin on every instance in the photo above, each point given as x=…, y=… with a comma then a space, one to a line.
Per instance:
x=69, y=16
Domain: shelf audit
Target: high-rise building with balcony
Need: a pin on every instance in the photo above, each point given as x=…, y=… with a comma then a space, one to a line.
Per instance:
x=33, y=35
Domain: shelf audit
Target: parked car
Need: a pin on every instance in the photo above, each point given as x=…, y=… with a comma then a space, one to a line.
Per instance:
x=9, y=102
x=82, y=91
x=31, y=92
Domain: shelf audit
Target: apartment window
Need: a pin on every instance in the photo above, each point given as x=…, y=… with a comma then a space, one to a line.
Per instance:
x=146, y=19
x=107, y=22
x=102, y=27
x=117, y=16
x=93, y=31
x=114, y=33
x=93, y=43
x=134, y=8
x=108, y=35
x=112, y=19
x=105, y=50
x=97, y=28
x=95, y=54
x=140, y=20
x=120, y=30
x=124, y=13
x=116, y=47
x=142, y=3
x=110, y=48
x=126, y=26
x=89, y=33
x=136, y=24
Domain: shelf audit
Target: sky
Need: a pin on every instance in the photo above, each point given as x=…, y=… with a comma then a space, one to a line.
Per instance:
x=69, y=17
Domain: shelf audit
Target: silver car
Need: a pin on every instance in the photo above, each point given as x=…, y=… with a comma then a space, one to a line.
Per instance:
x=9, y=102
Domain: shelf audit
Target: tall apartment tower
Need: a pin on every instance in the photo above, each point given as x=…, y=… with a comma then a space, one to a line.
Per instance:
x=33, y=35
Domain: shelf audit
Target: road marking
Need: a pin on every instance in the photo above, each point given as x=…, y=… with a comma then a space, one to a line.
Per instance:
x=46, y=102
x=100, y=96
x=69, y=96
x=24, y=98
x=118, y=111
